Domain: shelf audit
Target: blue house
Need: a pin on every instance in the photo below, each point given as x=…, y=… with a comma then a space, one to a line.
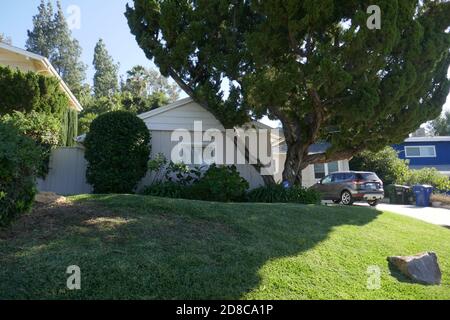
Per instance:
x=426, y=152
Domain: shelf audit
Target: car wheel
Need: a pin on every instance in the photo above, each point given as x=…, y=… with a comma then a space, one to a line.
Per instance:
x=336, y=201
x=373, y=203
x=346, y=198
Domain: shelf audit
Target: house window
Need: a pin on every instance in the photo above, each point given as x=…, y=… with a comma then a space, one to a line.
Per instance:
x=420, y=152
x=321, y=170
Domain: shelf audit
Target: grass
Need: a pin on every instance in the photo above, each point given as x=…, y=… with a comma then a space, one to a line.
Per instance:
x=135, y=247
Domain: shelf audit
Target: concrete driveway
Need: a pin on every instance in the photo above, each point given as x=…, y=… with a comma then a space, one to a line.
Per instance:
x=437, y=216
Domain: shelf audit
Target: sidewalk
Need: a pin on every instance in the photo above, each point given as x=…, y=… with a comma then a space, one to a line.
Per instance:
x=437, y=216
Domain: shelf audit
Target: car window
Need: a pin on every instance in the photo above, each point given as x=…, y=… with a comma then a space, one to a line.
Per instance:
x=338, y=177
x=326, y=180
x=368, y=176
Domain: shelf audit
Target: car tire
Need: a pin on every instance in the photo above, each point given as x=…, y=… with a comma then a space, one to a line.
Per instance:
x=346, y=198
x=373, y=203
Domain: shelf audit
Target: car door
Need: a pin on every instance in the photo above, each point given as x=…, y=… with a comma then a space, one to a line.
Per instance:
x=336, y=186
x=325, y=187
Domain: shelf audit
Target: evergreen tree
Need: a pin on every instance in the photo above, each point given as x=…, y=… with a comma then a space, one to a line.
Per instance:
x=52, y=38
x=106, y=72
x=144, y=82
x=441, y=125
x=40, y=39
x=314, y=65
x=67, y=53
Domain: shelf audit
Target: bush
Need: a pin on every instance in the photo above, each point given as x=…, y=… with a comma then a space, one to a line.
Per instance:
x=430, y=176
x=30, y=91
x=167, y=189
x=19, y=160
x=117, y=151
x=279, y=194
x=443, y=198
x=221, y=184
x=44, y=129
x=384, y=163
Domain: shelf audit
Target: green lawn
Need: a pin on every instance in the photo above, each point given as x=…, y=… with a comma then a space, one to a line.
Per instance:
x=134, y=247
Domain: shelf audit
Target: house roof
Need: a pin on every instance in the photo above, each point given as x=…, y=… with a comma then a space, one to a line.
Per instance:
x=428, y=139
x=43, y=66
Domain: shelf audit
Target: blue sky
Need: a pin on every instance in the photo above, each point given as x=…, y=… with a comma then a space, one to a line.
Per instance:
x=99, y=19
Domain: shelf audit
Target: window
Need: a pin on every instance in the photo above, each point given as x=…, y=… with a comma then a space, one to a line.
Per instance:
x=333, y=167
x=321, y=170
x=420, y=152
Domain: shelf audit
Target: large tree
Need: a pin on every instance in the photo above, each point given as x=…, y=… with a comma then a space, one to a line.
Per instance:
x=315, y=65
x=441, y=125
x=106, y=79
x=145, y=82
x=52, y=38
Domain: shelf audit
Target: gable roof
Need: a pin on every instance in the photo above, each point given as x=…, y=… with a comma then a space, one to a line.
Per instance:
x=43, y=66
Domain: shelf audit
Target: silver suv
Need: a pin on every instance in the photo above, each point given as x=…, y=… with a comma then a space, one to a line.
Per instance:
x=348, y=187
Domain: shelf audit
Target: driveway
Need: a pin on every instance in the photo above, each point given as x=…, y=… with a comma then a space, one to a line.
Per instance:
x=437, y=216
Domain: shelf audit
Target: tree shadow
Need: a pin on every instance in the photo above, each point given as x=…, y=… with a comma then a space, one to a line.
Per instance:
x=131, y=247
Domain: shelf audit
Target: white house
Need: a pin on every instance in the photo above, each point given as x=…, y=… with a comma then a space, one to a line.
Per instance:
x=184, y=113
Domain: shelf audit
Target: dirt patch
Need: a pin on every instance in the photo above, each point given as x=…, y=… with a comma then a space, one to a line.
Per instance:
x=49, y=197
x=50, y=219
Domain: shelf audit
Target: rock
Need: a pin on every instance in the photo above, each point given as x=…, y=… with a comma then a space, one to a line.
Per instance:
x=49, y=197
x=422, y=268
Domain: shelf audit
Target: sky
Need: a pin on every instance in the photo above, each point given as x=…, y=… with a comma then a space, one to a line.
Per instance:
x=98, y=19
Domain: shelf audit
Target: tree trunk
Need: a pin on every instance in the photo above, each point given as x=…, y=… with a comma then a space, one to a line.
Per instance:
x=293, y=166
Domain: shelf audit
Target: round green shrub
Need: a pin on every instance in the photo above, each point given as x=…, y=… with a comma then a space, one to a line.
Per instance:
x=19, y=162
x=117, y=151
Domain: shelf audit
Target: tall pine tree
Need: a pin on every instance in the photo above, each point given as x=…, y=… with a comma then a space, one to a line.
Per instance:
x=106, y=80
x=52, y=38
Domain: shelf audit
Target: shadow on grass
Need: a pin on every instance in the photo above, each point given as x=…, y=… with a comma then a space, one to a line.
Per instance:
x=132, y=247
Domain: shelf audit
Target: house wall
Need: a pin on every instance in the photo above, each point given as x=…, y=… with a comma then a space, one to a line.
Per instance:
x=161, y=143
x=183, y=118
x=442, y=153
x=308, y=176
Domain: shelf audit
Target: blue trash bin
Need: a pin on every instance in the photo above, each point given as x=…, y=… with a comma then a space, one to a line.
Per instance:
x=423, y=195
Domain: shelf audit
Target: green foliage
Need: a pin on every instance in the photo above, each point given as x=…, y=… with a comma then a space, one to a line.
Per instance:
x=279, y=194
x=52, y=38
x=430, y=176
x=384, y=163
x=220, y=183
x=106, y=79
x=167, y=189
x=144, y=83
x=84, y=122
x=19, y=161
x=29, y=91
x=301, y=64
x=44, y=129
x=441, y=125
x=117, y=151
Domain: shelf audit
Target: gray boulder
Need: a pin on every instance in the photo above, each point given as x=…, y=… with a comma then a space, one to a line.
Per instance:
x=422, y=268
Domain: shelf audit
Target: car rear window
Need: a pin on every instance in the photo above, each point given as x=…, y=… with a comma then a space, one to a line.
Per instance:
x=368, y=176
